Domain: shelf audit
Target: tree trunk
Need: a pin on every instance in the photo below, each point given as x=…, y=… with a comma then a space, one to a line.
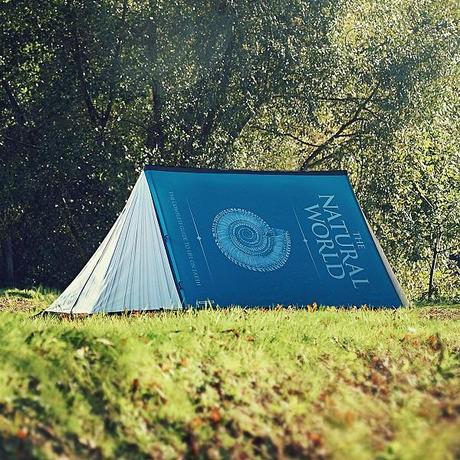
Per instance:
x=432, y=269
x=155, y=135
x=8, y=260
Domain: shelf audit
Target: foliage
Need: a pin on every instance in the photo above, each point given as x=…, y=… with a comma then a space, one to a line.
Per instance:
x=415, y=194
x=232, y=383
x=93, y=90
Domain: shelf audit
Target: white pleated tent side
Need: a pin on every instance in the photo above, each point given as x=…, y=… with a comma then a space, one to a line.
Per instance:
x=130, y=270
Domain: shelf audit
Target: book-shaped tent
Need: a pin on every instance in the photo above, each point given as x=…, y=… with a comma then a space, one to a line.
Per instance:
x=191, y=237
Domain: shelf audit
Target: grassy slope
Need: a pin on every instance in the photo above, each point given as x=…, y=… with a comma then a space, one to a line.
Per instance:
x=322, y=384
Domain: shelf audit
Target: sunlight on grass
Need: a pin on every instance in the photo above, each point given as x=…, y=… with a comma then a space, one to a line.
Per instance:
x=236, y=383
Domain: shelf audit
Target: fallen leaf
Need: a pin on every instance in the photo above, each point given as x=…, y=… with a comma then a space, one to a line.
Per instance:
x=22, y=433
x=162, y=396
x=214, y=415
x=434, y=341
x=104, y=341
x=135, y=385
x=350, y=417
x=315, y=438
x=165, y=367
x=196, y=422
x=80, y=353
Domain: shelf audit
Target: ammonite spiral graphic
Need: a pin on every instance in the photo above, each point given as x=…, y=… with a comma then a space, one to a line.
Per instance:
x=248, y=241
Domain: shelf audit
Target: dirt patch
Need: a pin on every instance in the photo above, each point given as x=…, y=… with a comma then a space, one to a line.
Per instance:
x=15, y=304
x=443, y=313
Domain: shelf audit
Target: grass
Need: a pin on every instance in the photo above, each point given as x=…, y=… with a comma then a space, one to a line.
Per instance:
x=229, y=384
x=26, y=300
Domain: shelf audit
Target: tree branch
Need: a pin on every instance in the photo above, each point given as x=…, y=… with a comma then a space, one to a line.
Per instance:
x=223, y=76
x=330, y=155
x=283, y=134
x=17, y=141
x=115, y=68
x=84, y=87
x=21, y=118
x=18, y=113
x=155, y=135
x=354, y=118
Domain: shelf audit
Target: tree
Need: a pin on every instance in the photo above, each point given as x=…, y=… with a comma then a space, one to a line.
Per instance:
x=92, y=90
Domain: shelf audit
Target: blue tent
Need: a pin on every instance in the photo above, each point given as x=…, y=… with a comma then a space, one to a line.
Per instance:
x=191, y=237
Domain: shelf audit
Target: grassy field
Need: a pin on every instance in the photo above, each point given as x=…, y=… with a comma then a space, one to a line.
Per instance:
x=237, y=384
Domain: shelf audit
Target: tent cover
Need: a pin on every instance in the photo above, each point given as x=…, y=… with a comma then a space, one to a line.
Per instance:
x=192, y=237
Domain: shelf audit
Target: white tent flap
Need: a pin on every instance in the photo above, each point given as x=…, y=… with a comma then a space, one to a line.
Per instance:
x=130, y=269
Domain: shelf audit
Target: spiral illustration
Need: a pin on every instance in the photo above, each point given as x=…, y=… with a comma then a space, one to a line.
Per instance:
x=248, y=241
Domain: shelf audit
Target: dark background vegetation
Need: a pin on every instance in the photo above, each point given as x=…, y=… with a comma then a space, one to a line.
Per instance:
x=92, y=90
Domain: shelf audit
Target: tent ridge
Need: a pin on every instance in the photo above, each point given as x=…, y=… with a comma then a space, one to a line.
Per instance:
x=335, y=172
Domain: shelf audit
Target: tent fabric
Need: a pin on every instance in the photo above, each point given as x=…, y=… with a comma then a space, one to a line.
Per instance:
x=130, y=270
x=192, y=237
x=386, y=263
x=264, y=238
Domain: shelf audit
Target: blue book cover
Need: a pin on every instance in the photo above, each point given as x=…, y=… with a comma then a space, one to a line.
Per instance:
x=268, y=238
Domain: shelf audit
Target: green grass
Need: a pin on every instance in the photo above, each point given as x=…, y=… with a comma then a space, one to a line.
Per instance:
x=230, y=384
